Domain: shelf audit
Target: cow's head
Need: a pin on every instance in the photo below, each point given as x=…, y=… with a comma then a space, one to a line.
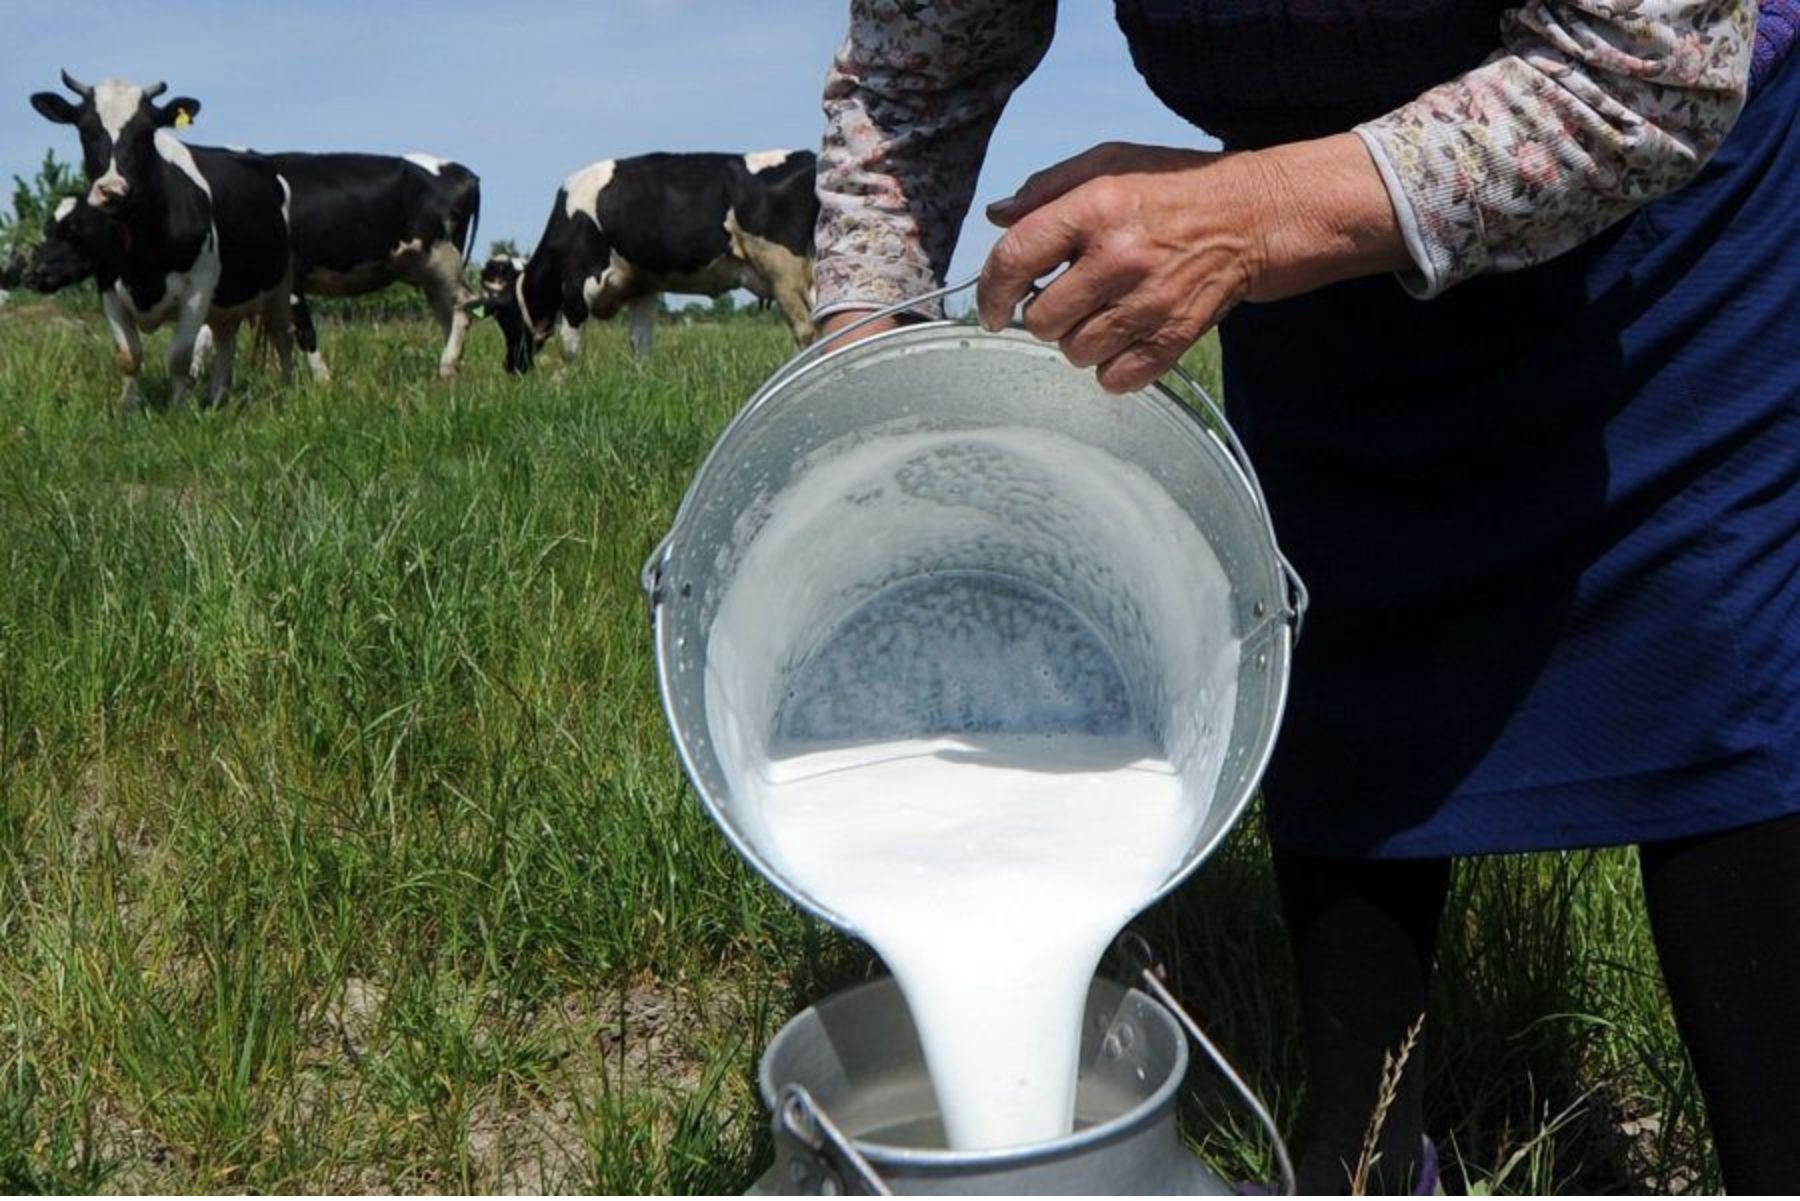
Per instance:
x=503, y=299
x=117, y=122
x=66, y=255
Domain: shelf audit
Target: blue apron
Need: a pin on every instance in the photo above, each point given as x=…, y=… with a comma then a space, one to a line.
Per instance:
x=1550, y=519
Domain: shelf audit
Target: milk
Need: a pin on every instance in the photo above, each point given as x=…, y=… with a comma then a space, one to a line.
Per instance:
x=990, y=874
x=971, y=691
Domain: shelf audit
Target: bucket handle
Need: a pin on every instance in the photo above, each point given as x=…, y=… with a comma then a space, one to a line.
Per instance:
x=1200, y=400
x=1135, y=949
x=1197, y=400
x=801, y=1119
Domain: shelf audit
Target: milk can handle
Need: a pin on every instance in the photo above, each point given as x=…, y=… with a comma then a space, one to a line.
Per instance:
x=801, y=1119
x=1136, y=950
x=1196, y=400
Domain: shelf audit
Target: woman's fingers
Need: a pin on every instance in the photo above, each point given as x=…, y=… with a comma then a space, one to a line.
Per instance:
x=1031, y=249
x=1136, y=367
x=1044, y=186
x=1086, y=288
x=1158, y=243
x=1153, y=355
x=1102, y=336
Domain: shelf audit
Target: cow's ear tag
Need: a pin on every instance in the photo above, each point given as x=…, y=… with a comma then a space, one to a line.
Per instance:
x=183, y=118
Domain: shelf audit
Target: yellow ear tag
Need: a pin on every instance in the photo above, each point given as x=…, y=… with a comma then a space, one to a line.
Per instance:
x=182, y=119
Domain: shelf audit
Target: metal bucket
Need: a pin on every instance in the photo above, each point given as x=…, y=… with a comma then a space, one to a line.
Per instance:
x=854, y=1109
x=866, y=491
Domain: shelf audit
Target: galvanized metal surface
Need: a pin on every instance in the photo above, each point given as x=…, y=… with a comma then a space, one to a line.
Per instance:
x=853, y=1067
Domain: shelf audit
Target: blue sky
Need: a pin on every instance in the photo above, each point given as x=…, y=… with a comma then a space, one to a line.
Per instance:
x=526, y=92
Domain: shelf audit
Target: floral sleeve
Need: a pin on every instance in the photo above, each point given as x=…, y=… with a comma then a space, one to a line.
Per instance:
x=911, y=100
x=1591, y=109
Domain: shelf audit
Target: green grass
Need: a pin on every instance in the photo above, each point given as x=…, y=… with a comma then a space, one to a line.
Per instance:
x=342, y=845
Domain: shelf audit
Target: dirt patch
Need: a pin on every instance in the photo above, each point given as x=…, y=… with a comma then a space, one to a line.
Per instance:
x=353, y=1014
x=1645, y=1158
x=637, y=1053
x=526, y=1147
x=136, y=1161
x=100, y=814
x=587, y=1083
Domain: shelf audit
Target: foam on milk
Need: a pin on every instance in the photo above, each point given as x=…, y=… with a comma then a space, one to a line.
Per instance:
x=972, y=691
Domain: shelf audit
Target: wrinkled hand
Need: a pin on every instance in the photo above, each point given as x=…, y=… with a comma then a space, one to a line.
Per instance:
x=1161, y=243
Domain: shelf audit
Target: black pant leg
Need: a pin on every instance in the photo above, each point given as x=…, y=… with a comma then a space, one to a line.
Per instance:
x=1362, y=933
x=1725, y=910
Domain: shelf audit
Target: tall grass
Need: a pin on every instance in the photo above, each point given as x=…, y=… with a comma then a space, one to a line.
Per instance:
x=342, y=847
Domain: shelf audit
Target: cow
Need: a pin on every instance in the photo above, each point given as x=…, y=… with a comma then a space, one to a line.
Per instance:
x=191, y=233
x=623, y=231
x=357, y=223
x=76, y=240
x=499, y=276
x=363, y=221
x=79, y=244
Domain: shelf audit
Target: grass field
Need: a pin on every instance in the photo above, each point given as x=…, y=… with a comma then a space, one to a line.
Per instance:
x=342, y=846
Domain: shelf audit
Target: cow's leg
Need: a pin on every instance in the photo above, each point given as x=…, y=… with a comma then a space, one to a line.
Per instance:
x=796, y=306
x=203, y=354
x=190, y=316
x=278, y=323
x=224, y=361
x=441, y=278
x=307, y=335
x=451, y=358
x=570, y=335
x=128, y=349
x=788, y=279
x=643, y=325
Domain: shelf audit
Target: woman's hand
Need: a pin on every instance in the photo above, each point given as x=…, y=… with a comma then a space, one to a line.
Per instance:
x=1161, y=243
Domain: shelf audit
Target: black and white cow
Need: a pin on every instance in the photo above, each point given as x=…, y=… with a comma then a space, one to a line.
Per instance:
x=189, y=233
x=363, y=221
x=499, y=277
x=621, y=232
x=357, y=223
x=79, y=244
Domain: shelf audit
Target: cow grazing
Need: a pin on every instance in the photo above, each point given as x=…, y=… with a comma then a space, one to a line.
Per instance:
x=357, y=223
x=79, y=244
x=77, y=241
x=622, y=232
x=189, y=233
x=499, y=277
x=363, y=221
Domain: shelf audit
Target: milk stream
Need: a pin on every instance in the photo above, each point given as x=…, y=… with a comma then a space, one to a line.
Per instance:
x=990, y=874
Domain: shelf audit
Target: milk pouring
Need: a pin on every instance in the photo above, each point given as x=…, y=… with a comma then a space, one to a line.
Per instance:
x=973, y=661
x=990, y=874
x=957, y=767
